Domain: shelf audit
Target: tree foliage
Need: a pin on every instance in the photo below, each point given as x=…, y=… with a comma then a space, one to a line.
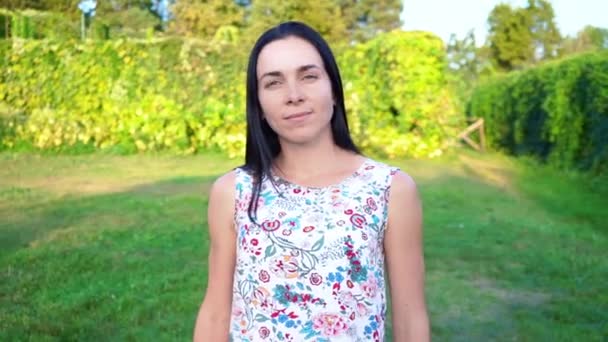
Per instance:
x=325, y=16
x=557, y=112
x=590, y=38
x=467, y=65
x=185, y=94
x=202, y=18
x=366, y=18
x=510, y=37
x=522, y=36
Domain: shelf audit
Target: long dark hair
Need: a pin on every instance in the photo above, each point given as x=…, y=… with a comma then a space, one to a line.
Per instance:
x=262, y=142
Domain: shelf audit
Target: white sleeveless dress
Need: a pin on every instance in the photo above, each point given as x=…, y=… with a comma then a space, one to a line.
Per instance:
x=313, y=269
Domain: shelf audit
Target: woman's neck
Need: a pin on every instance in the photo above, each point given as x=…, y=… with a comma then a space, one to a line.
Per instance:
x=301, y=162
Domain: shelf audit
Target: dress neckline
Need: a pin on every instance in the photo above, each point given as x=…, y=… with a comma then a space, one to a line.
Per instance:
x=280, y=180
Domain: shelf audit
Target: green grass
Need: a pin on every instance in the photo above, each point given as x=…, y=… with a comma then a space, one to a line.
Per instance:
x=99, y=247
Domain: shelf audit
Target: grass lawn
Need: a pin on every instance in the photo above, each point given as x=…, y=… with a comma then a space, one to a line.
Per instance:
x=101, y=247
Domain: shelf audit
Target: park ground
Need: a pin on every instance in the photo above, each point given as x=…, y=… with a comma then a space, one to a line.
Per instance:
x=105, y=248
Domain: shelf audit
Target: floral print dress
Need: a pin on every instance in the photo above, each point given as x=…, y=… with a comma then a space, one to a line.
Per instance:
x=313, y=269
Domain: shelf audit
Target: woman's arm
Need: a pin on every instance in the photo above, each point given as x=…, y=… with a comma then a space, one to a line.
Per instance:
x=405, y=261
x=212, y=323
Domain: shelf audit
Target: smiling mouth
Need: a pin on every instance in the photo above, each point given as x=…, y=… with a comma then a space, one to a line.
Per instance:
x=297, y=115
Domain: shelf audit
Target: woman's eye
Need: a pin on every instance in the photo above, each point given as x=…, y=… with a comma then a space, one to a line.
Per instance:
x=310, y=77
x=271, y=84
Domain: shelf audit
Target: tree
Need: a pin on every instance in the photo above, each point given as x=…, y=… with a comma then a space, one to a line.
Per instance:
x=65, y=6
x=325, y=16
x=510, y=38
x=462, y=55
x=467, y=65
x=344, y=21
x=202, y=18
x=523, y=36
x=545, y=34
x=366, y=18
x=589, y=38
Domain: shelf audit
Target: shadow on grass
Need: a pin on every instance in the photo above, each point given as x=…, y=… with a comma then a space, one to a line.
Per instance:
x=31, y=215
x=501, y=265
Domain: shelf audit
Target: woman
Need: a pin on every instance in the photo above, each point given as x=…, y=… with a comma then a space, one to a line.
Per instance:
x=301, y=235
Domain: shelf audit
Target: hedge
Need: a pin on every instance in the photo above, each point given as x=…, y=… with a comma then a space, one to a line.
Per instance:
x=557, y=112
x=32, y=24
x=186, y=95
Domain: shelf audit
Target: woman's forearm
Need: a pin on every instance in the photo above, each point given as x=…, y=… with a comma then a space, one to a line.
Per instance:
x=411, y=327
x=212, y=325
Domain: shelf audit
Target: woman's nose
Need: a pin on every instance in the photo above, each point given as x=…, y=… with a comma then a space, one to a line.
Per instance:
x=295, y=94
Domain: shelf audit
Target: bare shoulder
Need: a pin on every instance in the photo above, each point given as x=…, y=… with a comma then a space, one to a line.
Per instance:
x=221, y=205
x=223, y=187
x=403, y=188
x=404, y=210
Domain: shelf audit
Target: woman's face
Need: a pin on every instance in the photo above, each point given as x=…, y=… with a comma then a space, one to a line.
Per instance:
x=295, y=91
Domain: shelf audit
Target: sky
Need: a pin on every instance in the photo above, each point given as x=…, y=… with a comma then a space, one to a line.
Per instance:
x=444, y=17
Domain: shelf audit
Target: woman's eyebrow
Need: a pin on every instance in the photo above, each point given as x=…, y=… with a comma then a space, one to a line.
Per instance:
x=307, y=67
x=301, y=69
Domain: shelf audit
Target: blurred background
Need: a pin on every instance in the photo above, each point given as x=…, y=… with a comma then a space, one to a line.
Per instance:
x=117, y=115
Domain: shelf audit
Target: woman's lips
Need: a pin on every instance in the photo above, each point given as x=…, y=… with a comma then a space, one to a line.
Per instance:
x=296, y=116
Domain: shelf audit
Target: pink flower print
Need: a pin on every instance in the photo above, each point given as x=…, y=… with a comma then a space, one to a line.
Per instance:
x=286, y=266
x=251, y=246
x=362, y=309
x=316, y=279
x=264, y=276
x=367, y=177
x=271, y=226
x=371, y=203
x=263, y=300
x=291, y=267
x=336, y=201
x=261, y=297
x=308, y=229
x=357, y=220
x=237, y=311
x=330, y=324
x=292, y=224
x=243, y=204
x=370, y=287
x=347, y=301
x=264, y=332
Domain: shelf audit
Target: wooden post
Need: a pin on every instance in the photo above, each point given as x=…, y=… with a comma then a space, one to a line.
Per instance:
x=482, y=135
x=477, y=125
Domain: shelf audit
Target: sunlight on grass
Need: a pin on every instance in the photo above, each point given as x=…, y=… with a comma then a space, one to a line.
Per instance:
x=103, y=247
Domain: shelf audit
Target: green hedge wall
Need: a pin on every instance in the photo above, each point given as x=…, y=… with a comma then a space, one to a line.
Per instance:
x=557, y=112
x=32, y=24
x=185, y=95
x=397, y=94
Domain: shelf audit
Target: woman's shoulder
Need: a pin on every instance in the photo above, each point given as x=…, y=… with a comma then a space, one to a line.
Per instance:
x=380, y=168
x=396, y=176
x=228, y=178
x=223, y=186
x=380, y=164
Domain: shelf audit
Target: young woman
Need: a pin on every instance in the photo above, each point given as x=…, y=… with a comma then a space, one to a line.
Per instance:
x=302, y=234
